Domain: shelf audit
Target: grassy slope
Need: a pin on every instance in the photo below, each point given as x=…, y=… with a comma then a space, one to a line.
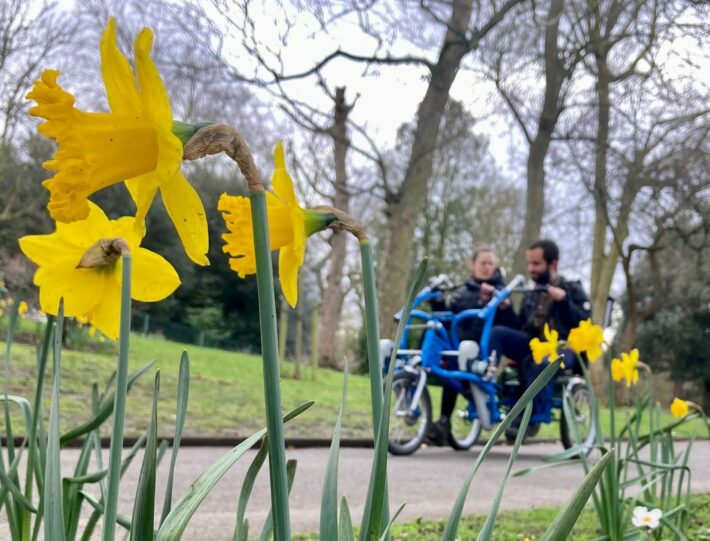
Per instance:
x=226, y=391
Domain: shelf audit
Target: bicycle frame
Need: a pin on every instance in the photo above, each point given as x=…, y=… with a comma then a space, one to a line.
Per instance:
x=439, y=343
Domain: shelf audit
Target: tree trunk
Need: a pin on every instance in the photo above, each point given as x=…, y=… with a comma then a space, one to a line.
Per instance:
x=535, y=197
x=333, y=296
x=603, y=262
x=403, y=208
x=314, y=343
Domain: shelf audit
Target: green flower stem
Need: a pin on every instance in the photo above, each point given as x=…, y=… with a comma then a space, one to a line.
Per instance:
x=33, y=462
x=270, y=356
x=372, y=329
x=119, y=406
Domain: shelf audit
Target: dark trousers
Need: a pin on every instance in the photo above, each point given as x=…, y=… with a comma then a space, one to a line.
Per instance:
x=449, y=392
x=515, y=345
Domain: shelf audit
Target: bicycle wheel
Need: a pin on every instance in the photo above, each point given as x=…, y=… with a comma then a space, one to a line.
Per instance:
x=407, y=429
x=581, y=427
x=464, y=433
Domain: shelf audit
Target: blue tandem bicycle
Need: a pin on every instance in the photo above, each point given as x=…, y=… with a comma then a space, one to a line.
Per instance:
x=487, y=390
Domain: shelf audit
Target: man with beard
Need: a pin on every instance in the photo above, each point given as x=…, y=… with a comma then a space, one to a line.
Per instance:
x=561, y=304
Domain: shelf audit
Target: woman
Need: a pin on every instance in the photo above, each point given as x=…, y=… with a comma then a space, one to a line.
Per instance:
x=475, y=293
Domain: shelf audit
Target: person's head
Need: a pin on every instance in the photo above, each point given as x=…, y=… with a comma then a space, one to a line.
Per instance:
x=483, y=262
x=542, y=257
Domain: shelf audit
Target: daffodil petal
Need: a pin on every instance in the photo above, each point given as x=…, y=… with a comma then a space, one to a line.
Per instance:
x=121, y=90
x=105, y=316
x=143, y=192
x=281, y=180
x=41, y=249
x=187, y=213
x=154, y=96
x=124, y=228
x=153, y=278
x=81, y=289
x=279, y=158
x=290, y=260
x=69, y=241
x=85, y=232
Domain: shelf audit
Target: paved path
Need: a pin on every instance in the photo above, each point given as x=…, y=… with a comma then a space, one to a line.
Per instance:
x=428, y=482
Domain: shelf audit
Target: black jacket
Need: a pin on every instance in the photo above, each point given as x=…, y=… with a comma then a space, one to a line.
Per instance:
x=467, y=297
x=537, y=309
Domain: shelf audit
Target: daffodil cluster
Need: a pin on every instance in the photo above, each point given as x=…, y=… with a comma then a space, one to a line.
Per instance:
x=133, y=143
x=587, y=339
x=138, y=143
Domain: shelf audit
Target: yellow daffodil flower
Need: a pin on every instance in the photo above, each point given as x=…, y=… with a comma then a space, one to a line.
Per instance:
x=133, y=142
x=587, y=338
x=22, y=309
x=289, y=226
x=540, y=350
x=679, y=408
x=69, y=268
x=626, y=368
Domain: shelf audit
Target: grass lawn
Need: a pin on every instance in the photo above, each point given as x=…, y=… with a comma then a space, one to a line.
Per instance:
x=226, y=391
x=517, y=525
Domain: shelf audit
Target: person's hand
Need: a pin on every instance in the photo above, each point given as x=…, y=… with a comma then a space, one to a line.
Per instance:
x=487, y=291
x=556, y=293
x=505, y=304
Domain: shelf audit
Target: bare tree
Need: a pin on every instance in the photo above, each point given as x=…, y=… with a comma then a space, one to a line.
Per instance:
x=339, y=194
x=551, y=50
x=468, y=200
x=462, y=24
x=677, y=211
x=30, y=35
x=634, y=121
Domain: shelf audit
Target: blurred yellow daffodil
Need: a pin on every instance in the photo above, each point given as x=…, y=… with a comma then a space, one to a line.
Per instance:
x=540, y=350
x=81, y=263
x=587, y=338
x=289, y=226
x=133, y=142
x=626, y=368
x=22, y=309
x=679, y=408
